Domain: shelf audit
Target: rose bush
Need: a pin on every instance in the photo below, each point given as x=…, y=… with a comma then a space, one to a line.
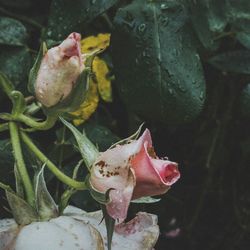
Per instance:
x=131, y=171
x=59, y=70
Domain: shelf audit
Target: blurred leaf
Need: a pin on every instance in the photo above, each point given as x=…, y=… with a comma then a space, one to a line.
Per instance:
x=208, y=17
x=234, y=61
x=24, y=4
x=66, y=17
x=244, y=38
x=6, y=161
x=238, y=9
x=245, y=101
x=157, y=67
x=15, y=63
x=12, y=32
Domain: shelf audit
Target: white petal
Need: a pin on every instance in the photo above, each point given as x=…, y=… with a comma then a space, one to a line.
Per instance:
x=8, y=231
x=141, y=233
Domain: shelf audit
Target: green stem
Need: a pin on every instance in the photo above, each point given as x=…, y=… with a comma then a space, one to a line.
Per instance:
x=52, y=167
x=4, y=127
x=15, y=140
x=5, y=187
x=45, y=125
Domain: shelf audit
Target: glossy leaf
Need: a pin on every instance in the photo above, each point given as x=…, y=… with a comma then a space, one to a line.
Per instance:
x=12, y=32
x=66, y=17
x=157, y=67
x=208, y=17
x=15, y=63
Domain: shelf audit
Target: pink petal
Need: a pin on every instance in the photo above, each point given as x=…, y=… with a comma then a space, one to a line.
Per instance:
x=112, y=170
x=59, y=70
x=153, y=176
x=71, y=45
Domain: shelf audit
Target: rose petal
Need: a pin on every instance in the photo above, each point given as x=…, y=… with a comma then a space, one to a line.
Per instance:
x=153, y=176
x=112, y=170
x=8, y=231
x=141, y=233
x=58, y=72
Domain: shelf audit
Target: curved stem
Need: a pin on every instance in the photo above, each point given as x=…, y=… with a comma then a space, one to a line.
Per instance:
x=45, y=125
x=16, y=145
x=52, y=167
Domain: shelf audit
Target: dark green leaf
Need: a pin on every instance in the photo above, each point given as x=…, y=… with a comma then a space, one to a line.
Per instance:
x=245, y=102
x=24, y=4
x=12, y=32
x=15, y=63
x=233, y=61
x=208, y=17
x=238, y=9
x=66, y=17
x=100, y=135
x=157, y=67
x=6, y=161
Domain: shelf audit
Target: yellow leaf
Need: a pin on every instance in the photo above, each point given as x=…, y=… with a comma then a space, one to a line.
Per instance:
x=101, y=71
x=88, y=107
x=91, y=43
x=99, y=82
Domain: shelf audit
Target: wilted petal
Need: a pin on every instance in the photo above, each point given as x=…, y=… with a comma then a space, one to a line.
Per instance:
x=62, y=233
x=8, y=231
x=141, y=233
x=112, y=170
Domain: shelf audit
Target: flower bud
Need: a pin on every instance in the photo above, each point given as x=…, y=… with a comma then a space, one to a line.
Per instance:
x=59, y=70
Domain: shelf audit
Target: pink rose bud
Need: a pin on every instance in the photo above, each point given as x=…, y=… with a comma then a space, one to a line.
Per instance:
x=132, y=171
x=59, y=70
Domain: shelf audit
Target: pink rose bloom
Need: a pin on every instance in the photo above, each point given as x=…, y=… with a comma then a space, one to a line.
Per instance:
x=132, y=171
x=59, y=70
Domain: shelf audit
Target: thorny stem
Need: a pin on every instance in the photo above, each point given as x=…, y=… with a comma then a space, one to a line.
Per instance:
x=17, y=150
x=52, y=167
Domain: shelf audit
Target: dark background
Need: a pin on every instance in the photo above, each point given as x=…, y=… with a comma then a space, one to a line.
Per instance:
x=210, y=204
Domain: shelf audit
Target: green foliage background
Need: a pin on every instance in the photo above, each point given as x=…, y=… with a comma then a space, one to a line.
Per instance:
x=180, y=66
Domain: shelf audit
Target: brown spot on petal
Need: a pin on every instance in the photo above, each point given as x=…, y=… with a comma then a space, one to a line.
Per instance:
x=152, y=153
x=101, y=163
